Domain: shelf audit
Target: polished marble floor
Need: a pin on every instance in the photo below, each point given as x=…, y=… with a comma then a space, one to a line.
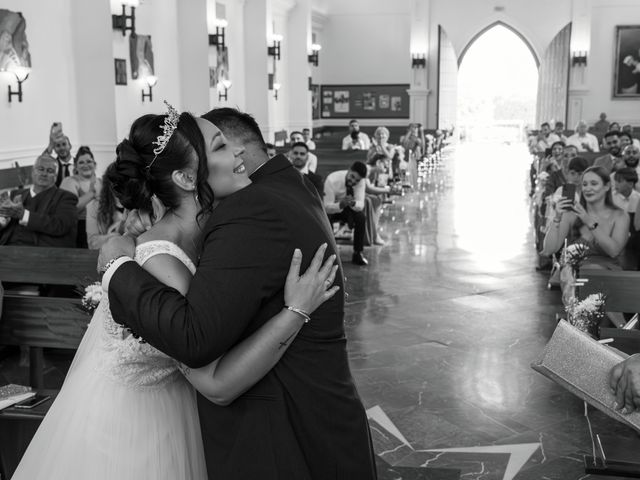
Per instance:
x=442, y=327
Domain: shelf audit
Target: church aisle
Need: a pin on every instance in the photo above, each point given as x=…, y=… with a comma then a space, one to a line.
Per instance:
x=443, y=325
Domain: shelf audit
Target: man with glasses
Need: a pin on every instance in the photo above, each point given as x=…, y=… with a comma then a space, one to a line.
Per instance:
x=42, y=215
x=612, y=144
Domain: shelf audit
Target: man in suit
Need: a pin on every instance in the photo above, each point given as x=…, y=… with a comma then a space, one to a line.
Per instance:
x=42, y=215
x=299, y=156
x=61, y=145
x=614, y=151
x=304, y=420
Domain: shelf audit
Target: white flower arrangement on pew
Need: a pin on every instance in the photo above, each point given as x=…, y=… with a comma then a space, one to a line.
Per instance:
x=587, y=314
x=91, y=296
x=573, y=255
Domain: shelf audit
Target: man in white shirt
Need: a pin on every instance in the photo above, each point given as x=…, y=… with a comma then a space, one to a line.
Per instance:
x=625, y=196
x=306, y=133
x=344, y=196
x=559, y=131
x=543, y=140
x=312, y=164
x=583, y=140
x=356, y=140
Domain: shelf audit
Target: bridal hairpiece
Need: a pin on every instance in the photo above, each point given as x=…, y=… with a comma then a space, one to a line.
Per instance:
x=169, y=126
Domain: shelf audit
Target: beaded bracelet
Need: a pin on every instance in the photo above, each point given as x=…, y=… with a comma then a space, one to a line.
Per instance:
x=302, y=313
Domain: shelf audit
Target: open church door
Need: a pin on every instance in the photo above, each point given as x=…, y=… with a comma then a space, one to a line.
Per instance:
x=447, y=82
x=553, y=80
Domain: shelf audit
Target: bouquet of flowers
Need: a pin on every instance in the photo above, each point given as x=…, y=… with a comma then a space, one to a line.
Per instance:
x=91, y=296
x=573, y=255
x=587, y=314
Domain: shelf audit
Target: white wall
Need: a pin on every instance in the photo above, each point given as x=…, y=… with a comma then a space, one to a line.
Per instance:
x=48, y=93
x=366, y=42
x=605, y=16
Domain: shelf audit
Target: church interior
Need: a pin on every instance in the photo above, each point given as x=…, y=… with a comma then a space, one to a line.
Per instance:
x=463, y=278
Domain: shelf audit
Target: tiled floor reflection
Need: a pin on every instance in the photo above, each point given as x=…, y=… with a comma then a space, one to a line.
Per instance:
x=445, y=321
x=442, y=327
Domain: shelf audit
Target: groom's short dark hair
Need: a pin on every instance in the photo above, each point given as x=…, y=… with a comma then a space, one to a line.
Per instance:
x=237, y=124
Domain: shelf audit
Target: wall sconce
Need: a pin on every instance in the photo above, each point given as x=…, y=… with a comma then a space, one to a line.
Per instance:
x=274, y=51
x=276, y=87
x=119, y=22
x=579, y=58
x=418, y=60
x=223, y=90
x=218, y=39
x=313, y=58
x=21, y=73
x=151, y=82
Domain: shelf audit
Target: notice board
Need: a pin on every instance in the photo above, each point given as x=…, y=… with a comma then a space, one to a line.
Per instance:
x=365, y=101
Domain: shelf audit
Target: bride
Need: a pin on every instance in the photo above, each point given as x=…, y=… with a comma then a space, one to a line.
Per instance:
x=126, y=411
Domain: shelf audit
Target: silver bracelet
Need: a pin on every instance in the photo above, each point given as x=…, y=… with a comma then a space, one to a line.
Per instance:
x=109, y=263
x=302, y=313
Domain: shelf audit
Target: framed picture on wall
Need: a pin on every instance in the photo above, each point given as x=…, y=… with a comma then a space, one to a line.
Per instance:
x=626, y=81
x=121, y=71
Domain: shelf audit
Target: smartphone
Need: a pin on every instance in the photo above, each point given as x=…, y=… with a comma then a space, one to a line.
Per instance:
x=32, y=402
x=569, y=191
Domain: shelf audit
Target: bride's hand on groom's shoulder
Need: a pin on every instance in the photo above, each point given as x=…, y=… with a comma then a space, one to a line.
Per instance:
x=115, y=247
x=136, y=223
x=310, y=290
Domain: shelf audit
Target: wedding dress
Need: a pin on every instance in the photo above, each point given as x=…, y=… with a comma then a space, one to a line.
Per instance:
x=124, y=412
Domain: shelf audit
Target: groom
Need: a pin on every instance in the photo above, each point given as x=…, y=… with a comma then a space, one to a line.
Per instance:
x=304, y=419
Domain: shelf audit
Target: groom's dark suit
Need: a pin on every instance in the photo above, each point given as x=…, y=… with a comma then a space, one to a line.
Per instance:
x=304, y=419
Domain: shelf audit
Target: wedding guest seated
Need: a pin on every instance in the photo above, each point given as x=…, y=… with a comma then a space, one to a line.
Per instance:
x=105, y=215
x=306, y=133
x=413, y=140
x=559, y=131
x=375, y=196
x=627, y=198
x=602, y=125
x=628, y=129
x=297, y=137
x=356, y=140
x=631, y=158
x=594, y=221
x=271, y=150
x=85, y=186
x=583, y=140
x=381, y=146
x=569, y=152
x=614, y=127
x=552, y=162
x=570, y=172
x=543, y=140
x=344, y=197
x=299, y=158
x=42, y=215
x=612, y=144
x=61, y=145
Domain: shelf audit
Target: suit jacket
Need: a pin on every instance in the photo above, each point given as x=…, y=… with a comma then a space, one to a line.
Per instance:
x=53, y=222
x=605, y=161
x=317, y=182
x=304, y=419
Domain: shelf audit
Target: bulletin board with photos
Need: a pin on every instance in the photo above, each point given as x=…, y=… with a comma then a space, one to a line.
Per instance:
x=365, y=101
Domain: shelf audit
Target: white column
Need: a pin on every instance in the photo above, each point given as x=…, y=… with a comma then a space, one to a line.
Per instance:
x=298, y=41
x=256, y=16
x=193, y=55
x=94, y=75
x=578, y=75
x=419, y=91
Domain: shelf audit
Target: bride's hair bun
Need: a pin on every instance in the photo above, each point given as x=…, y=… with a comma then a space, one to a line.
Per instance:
x=130, y=176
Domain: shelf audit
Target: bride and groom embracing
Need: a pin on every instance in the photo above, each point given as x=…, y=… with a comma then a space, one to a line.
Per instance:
x=213, y=300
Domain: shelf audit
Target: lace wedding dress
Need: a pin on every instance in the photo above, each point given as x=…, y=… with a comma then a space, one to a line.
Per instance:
x=124, y=412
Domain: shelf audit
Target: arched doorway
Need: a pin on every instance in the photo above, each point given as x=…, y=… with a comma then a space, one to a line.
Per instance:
x=497, y=86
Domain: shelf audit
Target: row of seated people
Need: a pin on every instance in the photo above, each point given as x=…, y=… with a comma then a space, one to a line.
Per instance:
x=604, y=211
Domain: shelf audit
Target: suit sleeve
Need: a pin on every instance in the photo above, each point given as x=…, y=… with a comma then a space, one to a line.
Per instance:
x=241, y=266
x=59, y=222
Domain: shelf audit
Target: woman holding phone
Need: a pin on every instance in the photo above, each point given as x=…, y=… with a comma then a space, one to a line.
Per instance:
x=593, y=221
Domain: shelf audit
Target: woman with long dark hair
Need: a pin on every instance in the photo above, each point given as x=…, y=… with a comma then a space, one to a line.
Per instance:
x=595, y=221
x=125, y=410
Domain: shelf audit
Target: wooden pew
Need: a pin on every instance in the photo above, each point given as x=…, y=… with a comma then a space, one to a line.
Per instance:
x=44, y=322
x=621, y=289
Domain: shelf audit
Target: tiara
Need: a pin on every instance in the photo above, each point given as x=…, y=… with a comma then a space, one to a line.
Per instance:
x=169, y=126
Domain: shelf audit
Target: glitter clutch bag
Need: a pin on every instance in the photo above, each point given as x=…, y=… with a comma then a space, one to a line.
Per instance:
x=580, y=364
